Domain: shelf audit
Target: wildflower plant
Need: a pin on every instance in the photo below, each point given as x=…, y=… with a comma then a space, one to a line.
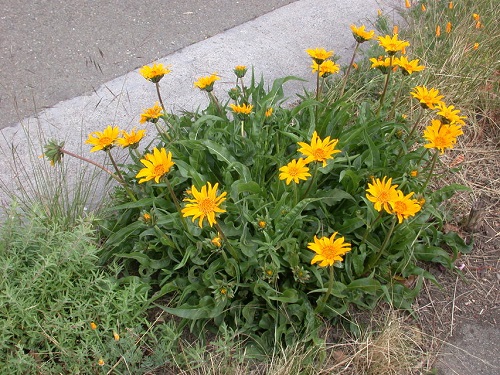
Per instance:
x=267, y=219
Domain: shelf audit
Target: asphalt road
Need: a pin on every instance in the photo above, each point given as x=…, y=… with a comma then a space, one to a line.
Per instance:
x=53, y=50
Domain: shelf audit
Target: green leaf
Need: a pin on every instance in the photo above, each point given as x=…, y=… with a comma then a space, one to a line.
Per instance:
x=366, y=285
x=453, y=240
x=288, y=296
x=206, y=309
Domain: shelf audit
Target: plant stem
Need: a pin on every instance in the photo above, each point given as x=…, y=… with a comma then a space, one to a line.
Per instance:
x=313, y=178
x=414, y=127
x=102, y=167
x=434, y=160
x=157, y=84
x=123, y=182
x=385, y=86
x=348, y=69
x=176, y=202
x=384, y=245
x=213, y=99
x=230, y=247
x=325, y=297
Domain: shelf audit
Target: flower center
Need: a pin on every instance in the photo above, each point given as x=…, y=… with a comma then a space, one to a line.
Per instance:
x=319, y=154
x=440, y=141
x=207, y=205
x=383, y=196
x=159, y=170
x=105, y=141
x=329, y=252
x=400, y=207
x=293, y=171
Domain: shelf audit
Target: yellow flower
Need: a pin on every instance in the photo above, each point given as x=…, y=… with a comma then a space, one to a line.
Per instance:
x=392, y=44
x=395, y=29
x=450, y=5
x=476, y=46
x=414, y=173
x=100, y=362
x=240, y=71
x=476, y=17
x=438, y=31
x=151, y=114
x=441, y=136
x=407, y=3
x=205, y=203
x=427, y=98
x=269, y=112
x=104, y=140
x=295, y=170
x=216, y=241
x=131, y=139
x=319, y=150
x=157, y=165
x=262, y=224
x=423, y=8
x=403, y=206
x=360, y=34
x=207, y=83
x=382, y=63
x=326, y=68
x=479, y=25
x=449, y=115
x=242, y=109
x=146, y=217
x=328, y=250
x=116, y=336
x=382, y=193
x=319, y=54
x=93, y=326
x=448, y=27
x=408, y=67
x=154, y=73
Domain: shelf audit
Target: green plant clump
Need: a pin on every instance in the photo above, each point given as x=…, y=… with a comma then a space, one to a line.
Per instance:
x=266, y=219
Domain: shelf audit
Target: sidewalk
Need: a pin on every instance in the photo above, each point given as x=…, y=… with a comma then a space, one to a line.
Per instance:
x=273, y=43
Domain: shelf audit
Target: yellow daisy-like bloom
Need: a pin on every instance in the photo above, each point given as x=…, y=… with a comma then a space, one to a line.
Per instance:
x=207, y=83
x=438, y=31
x=242, y=109
x=476, y=17
x=382, y=193
x=360, y=34
x=216, y=241
x=448, y=27
x=476, y=46
x=116, y=336
x=157, y=165
x=154, y=73
x=449, y=115
x=93, y=326
x=262, y=224
x=382, y=63
x=427, y=98
x=240, y=71
x=151, y=114
x=131, y=139
x=269, y=112
x=100, y=362
x=104, y=140
x=407, y=4
x=295, y=170
x=441, y=136
x=403, y=206
x=450, y=5
x=329, y=250
x=392, y=44
x=205, y=203
x=319, y=150
x=319, y=54
x=408, y=67
x=423, y=7
x=326, y=68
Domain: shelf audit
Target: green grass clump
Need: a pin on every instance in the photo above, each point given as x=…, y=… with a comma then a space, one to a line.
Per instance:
x=52, y=292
